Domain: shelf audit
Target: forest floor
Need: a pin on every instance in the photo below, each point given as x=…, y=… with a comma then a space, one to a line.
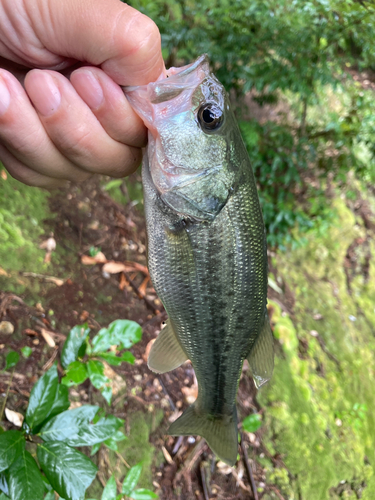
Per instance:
x=312, y=430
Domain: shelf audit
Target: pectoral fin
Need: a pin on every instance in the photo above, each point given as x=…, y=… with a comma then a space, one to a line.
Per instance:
x=166, y=353
x=261, y=355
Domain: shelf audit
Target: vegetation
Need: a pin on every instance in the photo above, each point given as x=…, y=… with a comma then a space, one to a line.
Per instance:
x=301, y=77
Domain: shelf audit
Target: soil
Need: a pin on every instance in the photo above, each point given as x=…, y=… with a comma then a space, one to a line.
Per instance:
x=84, y=218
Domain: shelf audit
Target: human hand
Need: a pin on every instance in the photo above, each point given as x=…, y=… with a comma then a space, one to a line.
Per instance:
x=53, y=129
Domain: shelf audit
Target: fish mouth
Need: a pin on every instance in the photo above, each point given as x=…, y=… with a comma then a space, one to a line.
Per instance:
x=169, y=86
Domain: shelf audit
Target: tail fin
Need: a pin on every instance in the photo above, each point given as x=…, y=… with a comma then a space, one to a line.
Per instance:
x=220, y=433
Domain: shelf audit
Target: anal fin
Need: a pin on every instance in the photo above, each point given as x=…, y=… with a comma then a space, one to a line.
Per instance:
x=261, y=355
x=166, y=353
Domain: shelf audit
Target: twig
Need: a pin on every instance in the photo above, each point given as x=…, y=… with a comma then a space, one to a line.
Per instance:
x=167, y=393
x=204, y=482
x=176, y=447
x=49, y=363
x=278, y=494
x=149, y=304
x=122, y=459
x=7, y=394
x=248, y=468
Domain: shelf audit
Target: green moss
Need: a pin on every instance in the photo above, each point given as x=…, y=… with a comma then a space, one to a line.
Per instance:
x=321, y=408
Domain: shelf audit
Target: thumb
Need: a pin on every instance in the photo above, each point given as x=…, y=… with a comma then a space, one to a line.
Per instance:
x=105, y=33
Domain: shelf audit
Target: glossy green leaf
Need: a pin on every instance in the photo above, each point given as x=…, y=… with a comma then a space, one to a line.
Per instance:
x=102, y=341
x=42, y=398
x=69, y=471
x=90, y=434
x=252, y=422
x=131, y=479
x=4, y=487
x=50, y=496
x=114, y=360
x=107, y=393
x=112, y=442
x=67, y=425
x=143, y=494
x=125, y=332
x=61, y=402
x=26, y=351
x=11, y=360
x=73, y=343
x=25, y=479
x=76, y=373
x=110, y=490
x=12, y=444
x=95, y=370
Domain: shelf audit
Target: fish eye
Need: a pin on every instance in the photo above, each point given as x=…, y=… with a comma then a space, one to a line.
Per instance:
x=210, y=117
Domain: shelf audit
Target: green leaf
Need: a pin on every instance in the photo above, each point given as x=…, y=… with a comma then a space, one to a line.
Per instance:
x=107, y=393
x=131, y=480
x=76, y=373
x=95, y=449
x=95, y=370
x=26, y=351
x=114, y=360
x=3, y=497
x=61, y=402
x=67, y=425
x=12, y=444
x=110, y=490
x=102, y=341
x=4, y=484
x=142, y=494
x=25, y=479
x=112, y=442
x=125, y=332
x=252, y=422
x=73, y=343
x=11, y=360
x=69, y=471
x=116, y=183
x=90, y=434
x=42, y=398
x=50, y=495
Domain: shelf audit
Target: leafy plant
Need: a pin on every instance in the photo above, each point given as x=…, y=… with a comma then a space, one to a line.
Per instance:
x=82, y=358
x=128, y=489
x=252, y=422
x=49, y=433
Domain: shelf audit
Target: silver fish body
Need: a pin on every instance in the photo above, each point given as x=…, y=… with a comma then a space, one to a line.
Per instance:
x=206, y=248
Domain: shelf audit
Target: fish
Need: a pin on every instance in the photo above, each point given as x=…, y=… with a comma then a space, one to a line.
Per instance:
x=207, y=252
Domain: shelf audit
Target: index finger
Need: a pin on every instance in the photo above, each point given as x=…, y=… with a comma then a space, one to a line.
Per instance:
x=106, y=33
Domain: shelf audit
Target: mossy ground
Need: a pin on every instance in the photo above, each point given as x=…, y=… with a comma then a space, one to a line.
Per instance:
x=320, y=403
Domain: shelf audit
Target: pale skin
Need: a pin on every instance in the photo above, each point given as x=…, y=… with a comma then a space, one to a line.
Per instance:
x=58, y=123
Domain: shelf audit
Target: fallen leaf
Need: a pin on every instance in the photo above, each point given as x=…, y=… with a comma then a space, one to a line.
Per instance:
x=123, y=282
x=114, y=267
x=47, y=337
x=4, y=175
x=166, y=454
x=14, y=417
x=99, y=258
x=83, y=316
x=6, y=327
x=30, y=332
x=143, y=286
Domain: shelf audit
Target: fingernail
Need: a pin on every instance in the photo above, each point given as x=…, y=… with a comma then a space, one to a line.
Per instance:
x=89, y=88
x=44, y=93
x=4, y=97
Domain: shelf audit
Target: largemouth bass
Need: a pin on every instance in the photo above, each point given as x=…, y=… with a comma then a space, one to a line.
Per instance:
x=206, y=247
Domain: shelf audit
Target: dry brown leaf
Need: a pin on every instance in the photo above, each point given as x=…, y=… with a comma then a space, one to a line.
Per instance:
x=114, y=267
x=137, y=267
x=47, y=337
x=166, y=454
x=4, y=175
x=30, y=332
x=14, y=417
x=99, y=258
x=3, y=272
x=143, y=286
x=52, y=279
x=123, y=282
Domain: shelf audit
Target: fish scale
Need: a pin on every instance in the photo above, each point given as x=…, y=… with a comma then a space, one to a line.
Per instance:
x=207, y=252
